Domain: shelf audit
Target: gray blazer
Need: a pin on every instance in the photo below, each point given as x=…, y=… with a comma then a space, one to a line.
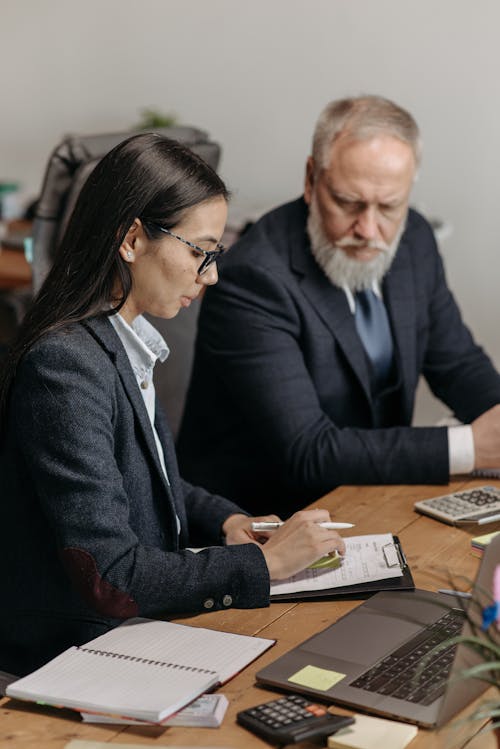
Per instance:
x=89, y=534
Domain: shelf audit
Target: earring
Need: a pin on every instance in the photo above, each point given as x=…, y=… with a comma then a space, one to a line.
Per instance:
x=130, y=255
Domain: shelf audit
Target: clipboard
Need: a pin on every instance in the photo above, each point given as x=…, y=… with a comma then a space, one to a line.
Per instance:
x=394, y=556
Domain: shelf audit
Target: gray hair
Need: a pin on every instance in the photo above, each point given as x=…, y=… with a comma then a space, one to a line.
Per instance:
x=361, y=118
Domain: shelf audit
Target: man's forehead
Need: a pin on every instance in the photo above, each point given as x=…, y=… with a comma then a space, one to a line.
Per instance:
x=381, y=161
x=354, y=190
x=382, y=147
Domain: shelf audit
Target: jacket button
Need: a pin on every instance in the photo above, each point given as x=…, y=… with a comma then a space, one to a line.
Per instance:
x=227, y=600
x=209, y=603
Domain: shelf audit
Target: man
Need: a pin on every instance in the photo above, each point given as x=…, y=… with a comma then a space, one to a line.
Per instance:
x=328, y=311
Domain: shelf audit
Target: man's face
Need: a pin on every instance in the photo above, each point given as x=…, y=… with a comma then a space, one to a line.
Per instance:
x=362, y=194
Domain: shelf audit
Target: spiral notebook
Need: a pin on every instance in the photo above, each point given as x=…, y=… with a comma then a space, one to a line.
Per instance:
x=144, y=669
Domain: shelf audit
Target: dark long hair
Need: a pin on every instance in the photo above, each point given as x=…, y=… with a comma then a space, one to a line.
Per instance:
x=147, y=176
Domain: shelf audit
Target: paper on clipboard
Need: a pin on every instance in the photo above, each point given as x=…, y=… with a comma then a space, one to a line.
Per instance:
x=367, y=559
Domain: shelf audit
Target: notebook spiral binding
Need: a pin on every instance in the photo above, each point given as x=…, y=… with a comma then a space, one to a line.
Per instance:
x=147, y=661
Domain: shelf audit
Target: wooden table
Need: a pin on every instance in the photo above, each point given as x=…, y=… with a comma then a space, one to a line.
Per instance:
x=433, y=550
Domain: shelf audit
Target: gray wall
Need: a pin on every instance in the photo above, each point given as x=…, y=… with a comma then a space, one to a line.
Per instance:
x=256, y=74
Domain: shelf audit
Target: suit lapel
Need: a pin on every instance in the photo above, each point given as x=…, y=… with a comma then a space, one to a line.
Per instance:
x=330, y=303
x=399, y=296
x=102, y=330
x=167, y=440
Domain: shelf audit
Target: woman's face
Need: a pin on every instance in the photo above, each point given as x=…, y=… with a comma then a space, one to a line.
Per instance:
x=165, y=271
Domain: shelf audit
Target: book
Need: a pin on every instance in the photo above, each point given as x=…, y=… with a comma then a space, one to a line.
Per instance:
x=144, y=669
x=371, y=563
x=373, y=733
x=479, y=543
x=205, y=712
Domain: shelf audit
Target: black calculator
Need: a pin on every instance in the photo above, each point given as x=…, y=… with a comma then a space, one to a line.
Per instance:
x=291, y=719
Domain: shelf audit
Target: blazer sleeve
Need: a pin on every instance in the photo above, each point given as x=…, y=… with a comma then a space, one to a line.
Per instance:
x=66, y=417
x=458, y=370
x=206, y=513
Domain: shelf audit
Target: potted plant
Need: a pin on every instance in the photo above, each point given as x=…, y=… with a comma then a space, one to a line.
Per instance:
x=153, y=118
x=480, y=640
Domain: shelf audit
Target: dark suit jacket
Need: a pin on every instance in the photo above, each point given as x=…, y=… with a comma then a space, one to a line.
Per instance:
x=88, y=532
x=280, y=408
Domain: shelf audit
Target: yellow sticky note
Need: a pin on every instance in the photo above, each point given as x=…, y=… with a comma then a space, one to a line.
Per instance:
x=484, y=540
x=327, y=562
x=316, y=678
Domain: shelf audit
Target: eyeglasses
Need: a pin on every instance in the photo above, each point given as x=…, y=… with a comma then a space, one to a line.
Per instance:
x=210, y=256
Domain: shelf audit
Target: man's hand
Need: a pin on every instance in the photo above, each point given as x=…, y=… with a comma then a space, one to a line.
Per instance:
x=486, y=432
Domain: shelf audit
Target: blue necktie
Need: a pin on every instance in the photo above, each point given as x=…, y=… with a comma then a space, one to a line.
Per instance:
x=374, y=330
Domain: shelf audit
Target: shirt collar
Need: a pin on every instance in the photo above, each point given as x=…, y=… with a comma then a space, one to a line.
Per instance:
x=142, y=342
x=351, y=298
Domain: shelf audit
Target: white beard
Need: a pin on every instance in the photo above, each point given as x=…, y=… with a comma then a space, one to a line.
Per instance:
x=342, y=270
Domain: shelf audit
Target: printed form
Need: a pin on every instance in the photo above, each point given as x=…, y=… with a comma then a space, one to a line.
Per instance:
x=366, y=559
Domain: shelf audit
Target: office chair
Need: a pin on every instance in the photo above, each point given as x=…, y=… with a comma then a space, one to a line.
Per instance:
x=5, y=680
x=69, y=166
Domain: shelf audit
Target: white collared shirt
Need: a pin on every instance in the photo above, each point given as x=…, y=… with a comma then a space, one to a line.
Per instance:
x=351, y=300
x=144, y=346
x=460, y=438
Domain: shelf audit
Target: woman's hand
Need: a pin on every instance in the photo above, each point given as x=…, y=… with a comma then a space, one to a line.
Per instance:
x=238, y=528
x=299, y=543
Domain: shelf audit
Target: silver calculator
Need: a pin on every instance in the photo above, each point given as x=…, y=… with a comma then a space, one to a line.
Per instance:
x=469, y=506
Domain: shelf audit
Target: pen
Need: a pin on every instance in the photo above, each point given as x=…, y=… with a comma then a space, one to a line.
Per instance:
x=457, y=593
x=328, y=526
x=490, y=519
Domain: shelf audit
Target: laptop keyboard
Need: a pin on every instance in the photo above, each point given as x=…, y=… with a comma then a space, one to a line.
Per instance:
x=394, y=676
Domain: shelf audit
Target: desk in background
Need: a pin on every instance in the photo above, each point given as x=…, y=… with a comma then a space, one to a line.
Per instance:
x=433, y=550
x=15, y=281
x=15, y=271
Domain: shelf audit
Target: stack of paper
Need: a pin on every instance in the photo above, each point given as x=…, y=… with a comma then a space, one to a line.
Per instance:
x=205, y=712
x=479, y=543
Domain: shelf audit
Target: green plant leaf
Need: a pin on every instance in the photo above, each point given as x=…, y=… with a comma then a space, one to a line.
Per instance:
x=154, y=118
x=481, y=668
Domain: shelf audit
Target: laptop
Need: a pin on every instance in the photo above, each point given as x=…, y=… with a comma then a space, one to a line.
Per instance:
x=377, y=648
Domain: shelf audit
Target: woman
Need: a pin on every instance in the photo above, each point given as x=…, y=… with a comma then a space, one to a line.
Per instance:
x=95, y=518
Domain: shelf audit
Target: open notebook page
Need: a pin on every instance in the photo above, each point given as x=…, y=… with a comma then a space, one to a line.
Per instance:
x=145, y=669
x=222, y=652
x=85, y=681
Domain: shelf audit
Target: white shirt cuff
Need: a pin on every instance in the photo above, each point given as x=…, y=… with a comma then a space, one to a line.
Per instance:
x=461, y=449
